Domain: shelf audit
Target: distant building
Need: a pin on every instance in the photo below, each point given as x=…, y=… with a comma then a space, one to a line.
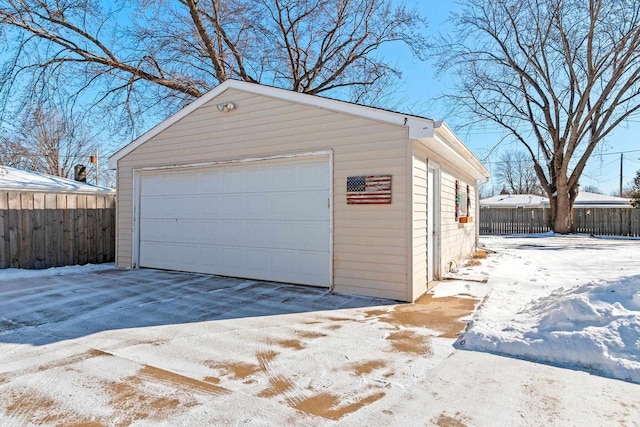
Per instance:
x=584, y=200
x=14, y=179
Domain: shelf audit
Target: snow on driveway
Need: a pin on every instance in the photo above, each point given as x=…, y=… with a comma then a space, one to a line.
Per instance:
x=145, y=347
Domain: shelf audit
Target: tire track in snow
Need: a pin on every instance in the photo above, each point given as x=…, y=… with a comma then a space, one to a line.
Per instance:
x=24, y=404
x=279, y=384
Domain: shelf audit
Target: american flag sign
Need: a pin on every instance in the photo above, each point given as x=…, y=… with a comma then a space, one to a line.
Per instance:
x=373, y=189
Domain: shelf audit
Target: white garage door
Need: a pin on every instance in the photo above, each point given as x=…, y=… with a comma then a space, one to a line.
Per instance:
x=265, y=220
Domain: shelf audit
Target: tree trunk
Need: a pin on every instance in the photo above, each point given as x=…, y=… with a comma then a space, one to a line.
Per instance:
x=562, y=210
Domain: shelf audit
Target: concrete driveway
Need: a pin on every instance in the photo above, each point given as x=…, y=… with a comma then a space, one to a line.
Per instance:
x=150, y=347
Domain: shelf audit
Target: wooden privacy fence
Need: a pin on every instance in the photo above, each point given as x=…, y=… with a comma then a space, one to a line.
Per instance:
x=42, y=230
x=513, y=220
x=607, y=222
x=598, y=221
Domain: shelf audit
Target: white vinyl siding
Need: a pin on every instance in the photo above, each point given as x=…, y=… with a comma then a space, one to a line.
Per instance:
x=420, y=231
x=457, y=240
x=369, y=241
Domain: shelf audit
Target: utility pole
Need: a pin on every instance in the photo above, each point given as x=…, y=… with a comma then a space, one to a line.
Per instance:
x=94, y=159
x=621, y=162
x=98, y=168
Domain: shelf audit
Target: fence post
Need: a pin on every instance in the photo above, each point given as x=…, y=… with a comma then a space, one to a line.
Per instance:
x=4, y=229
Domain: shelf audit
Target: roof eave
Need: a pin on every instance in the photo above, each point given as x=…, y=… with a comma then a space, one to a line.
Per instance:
x=452, y=149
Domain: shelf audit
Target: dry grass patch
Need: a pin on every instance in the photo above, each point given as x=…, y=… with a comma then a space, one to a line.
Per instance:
x=474, y=259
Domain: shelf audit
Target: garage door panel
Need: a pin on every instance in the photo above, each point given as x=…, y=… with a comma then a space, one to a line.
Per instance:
x=190, y=207
x=312, y=177
x=256, y=234
x=190, y=232
x=310, y=263
x=152, y=207
x=234, y=180
x=283, y=235
x=159, y=230
x=256, y=260
x=210, y=208
x=172, y=184
x=209, y=256
x=209, y=229
x=264, y=220
x=312, y=205
x=232, y=206
x=310, y=234
x=211, y=181
x=231, y=259
x=254, y=206
x=152, y=186
x=282, y=178
x=229, y=234
x=161, y=255
x=282, y=206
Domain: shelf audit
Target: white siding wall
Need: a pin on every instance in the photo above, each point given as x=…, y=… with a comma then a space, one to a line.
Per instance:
x=369, y=242
x=457, y=240
x=419, y=227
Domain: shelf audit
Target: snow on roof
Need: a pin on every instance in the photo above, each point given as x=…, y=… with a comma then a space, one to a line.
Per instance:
x=513, y=200
x=584, y=199
x=14, y=179
x=594, y=198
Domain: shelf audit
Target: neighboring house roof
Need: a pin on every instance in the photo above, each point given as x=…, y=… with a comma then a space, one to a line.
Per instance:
x=513, y=200
x=13, y=179
x=583, y=200
x=436, y=134
x=586, y=199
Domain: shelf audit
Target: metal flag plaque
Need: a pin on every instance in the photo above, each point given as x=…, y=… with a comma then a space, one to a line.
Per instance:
x=369, y=190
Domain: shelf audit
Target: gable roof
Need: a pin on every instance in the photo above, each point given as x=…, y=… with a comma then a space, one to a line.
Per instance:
x=420, y=128
x=14, y=179
x=586, y=198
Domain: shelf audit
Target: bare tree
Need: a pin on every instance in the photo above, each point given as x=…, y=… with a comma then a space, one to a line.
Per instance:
x=12, y=153
x=634, y=194
x=516, y=174
x=49, y=141
x=136, y=56
x=591, y=189
x=558, y=75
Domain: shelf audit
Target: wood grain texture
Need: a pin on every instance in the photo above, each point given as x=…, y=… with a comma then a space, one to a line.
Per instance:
x=42, y=230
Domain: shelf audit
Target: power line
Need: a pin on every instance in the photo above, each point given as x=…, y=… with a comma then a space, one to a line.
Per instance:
x=617, y=152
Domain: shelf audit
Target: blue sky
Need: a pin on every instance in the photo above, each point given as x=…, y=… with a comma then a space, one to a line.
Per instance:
x=420, y=89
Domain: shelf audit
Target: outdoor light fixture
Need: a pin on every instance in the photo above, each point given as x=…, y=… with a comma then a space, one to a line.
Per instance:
x=226, y=107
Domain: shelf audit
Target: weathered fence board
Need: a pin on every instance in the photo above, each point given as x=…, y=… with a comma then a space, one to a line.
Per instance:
x=597, y=221
x=39, y=230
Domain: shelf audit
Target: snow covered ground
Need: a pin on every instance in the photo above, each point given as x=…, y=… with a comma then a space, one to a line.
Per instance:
x=573, y=301
x=100, y=346
x=20, y=274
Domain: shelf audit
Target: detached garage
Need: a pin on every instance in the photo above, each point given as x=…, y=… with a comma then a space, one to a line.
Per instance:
x=264, y=183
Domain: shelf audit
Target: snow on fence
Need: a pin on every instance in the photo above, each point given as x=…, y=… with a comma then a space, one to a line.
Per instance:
x=597, y=221
x=42, y=230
